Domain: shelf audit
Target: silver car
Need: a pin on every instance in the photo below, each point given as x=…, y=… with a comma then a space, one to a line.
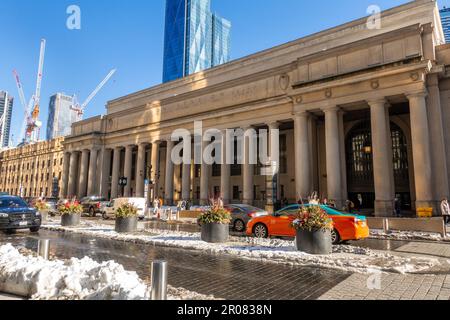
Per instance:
x=241, y=214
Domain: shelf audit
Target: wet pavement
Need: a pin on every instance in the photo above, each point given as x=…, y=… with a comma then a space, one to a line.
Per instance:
x=222, y=276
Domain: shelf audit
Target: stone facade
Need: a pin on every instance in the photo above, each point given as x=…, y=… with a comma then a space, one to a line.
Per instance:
x=31, y=171
x=362, y=113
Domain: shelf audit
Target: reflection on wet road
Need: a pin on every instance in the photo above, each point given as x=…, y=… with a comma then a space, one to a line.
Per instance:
x=222, y=276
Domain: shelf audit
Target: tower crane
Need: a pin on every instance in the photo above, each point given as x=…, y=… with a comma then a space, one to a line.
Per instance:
x=33, y=128
x=81, y=108
x=31, y=124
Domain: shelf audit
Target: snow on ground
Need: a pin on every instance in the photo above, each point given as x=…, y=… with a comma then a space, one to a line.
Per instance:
x=407, y=235
x=85, y=279
x=347, y=258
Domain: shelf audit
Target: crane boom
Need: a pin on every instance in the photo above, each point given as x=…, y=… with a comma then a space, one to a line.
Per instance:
x=37, y=95
x=99, y=87
x=26, y=107
x=20, y=89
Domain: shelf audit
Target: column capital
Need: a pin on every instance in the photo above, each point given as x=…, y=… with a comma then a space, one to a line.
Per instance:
x=143, y=144
x=302, y=114
x=377, y=102
x=273, y=125
x=333, y=109
x=416, y=94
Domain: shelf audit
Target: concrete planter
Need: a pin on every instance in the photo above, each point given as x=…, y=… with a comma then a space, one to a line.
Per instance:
x=126, y=225
x=215, y=232
x=314, y=242
x=70, y=220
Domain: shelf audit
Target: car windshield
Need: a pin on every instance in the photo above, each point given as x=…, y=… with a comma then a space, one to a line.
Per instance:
x=12, y=203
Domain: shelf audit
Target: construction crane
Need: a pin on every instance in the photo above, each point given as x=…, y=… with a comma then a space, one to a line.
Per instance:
x=81, y=108
x=26, y=108
x=31, y=124
x=34, y=126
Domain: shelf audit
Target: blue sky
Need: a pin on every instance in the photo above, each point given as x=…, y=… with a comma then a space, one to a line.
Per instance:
x=128, y=35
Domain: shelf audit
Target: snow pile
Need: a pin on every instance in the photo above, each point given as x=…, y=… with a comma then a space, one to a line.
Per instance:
x=407, y=235
x=74, y=279
x=346, y=258
x=85, y=279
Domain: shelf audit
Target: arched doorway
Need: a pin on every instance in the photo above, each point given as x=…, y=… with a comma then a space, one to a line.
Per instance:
x=359, y=157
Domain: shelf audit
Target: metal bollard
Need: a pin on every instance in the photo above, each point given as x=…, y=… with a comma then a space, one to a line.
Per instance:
x=43, y=248
x=386, y=228
x=159, y=280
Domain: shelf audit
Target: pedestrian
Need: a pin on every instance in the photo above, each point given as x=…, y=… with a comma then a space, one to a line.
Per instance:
x=445, y=209
x=398, y=206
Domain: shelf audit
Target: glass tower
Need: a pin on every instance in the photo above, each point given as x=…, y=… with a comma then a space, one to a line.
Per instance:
x=445, y=18
x=60, y=116
x=195, y=38
x=6, y=107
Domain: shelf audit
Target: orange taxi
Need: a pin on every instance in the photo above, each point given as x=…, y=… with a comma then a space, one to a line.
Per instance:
x=347, y=226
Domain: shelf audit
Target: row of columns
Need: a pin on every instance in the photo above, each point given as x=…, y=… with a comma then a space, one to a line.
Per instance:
x=86, y=181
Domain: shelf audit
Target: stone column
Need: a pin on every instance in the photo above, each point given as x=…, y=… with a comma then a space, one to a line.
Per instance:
x=186, y=182
x=155, y=168
x=333, y=156
x=303, y=156
x=272, y=181
x=421, y=150
x=73, y=177
x=127, y=170
x=225, y=172
x=65, y=176
x=382, y=159
x=169, y=174
x=140, y=171
x=438, y=153
x=92, y=180
x=204, y=178
x=82, y=187
x=115, y=173
x=105, y=172
x=248, y=170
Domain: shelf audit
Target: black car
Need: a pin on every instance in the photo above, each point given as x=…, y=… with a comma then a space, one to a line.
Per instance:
x=15, y=214
x=93, y=205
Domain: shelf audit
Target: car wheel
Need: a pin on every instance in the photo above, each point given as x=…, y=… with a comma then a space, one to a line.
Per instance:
x=35, y=229
x=335, y=237
x=92, y=212
x=105, y=216
x=10, y=231
x=239, y=226
x=260, y=231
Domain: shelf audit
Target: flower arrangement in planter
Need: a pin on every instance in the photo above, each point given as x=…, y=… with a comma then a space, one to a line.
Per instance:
x=313, y=226
x=215, y=223
x=42, y=207
x=70, y=213
x=126, y=218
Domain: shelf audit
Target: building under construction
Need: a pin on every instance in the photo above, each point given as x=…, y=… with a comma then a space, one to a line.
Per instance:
x=6, y=107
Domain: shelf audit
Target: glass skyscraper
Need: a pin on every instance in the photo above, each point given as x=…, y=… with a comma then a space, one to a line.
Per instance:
x=445, y=18
x=195, y=38
x=60, y=116
x=6, y=106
